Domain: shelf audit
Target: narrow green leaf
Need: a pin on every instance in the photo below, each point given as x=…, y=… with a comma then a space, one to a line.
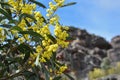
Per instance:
x=45, y=21
x=24, y=1
x=16, y=28
x=1, y=64
x=52, y=38
x=6, y=25
x=28, y=24
x=29, y=75
x=5, y=3
x=7, y=15
x=9, y=11
x=70, y=77
x=54, y=56
x=25, y=49
x=58, y=63
x=13, y=22
x=32, y=33
x=38, y=3
x=69, y=39
x=52, y=65
x=24, y=15
x=47, y=76
x=2, y=18
x=69, y=4
x=57, y=78
x=35, y=36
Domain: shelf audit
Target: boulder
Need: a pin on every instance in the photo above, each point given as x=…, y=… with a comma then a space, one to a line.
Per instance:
x=115, y=42
x=114, y=54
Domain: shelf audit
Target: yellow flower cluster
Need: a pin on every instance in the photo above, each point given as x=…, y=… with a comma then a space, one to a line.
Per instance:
x=28, y=8
x=59, y=2
x=62, y=69
x=54, y=7
x=48, y=51
x=54, y=20
x=38, y=17
x=14, y=33
x=98, y=73
x=21, y=39
x=22, y=25
x=61, y=35
x=44, y=31
x=19, y=7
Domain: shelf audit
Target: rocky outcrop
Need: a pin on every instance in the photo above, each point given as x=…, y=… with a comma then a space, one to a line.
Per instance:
x=88, y=40
x=115, y=42
x=86, y=51
x=114, y=53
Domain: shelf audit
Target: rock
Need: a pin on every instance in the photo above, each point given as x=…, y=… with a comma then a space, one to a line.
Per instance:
x=115, y=42
x=87, y=39
x=100, y=42
x=97, y=51
x=114, y=54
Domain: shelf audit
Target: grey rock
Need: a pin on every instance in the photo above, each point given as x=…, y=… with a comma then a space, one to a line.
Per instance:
x=115, y=42
x=114, y=54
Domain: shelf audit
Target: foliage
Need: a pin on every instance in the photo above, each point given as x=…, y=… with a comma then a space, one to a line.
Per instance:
x=98, y=73
x=27, y=47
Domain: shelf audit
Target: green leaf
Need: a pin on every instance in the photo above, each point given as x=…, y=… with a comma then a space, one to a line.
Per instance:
x=30, y=75
x=58, y=63
x=27, y=73
x=32, y=33
x=1, y=64
x=13, y=22
x=28, y=24
x=45, y=21
x=71, y=78
x=9, y=11
x=57, y=78
x=69, y=39
x=69, y=4
x=47, y=76
x=54, y=56
x=52, y=65
x=4, y=4
x=13, y=60
x=4, y=12
x=24, y=1
x=2, y=18
x=25, y=49
x=16, y=28
x=6, y=25
x=35, y=36
x=52, y=38
x=38, y=3
x=24, y=15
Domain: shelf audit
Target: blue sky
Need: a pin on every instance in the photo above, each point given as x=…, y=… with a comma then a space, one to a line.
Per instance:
x=100, y=17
